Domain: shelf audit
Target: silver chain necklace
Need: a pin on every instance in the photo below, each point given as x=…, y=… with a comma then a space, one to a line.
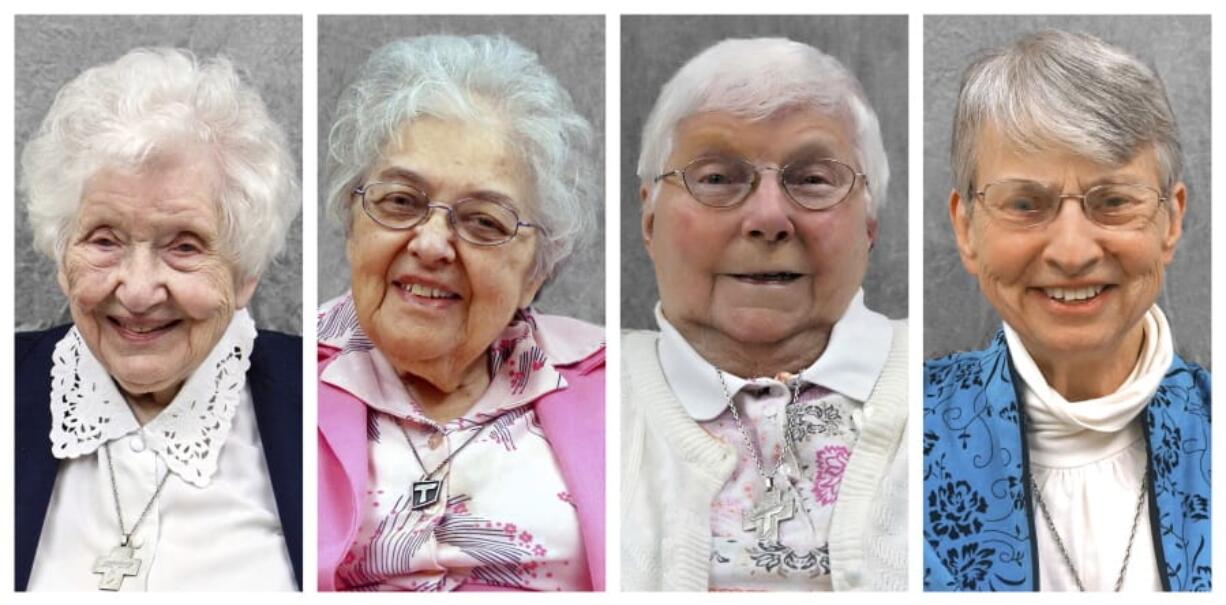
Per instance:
x=427, y=489
x=765, y=516
x=1136, y=519
x=121, y=562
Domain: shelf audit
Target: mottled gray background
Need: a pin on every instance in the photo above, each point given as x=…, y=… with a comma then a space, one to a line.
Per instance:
x=51, y=51
x=873, y=47
x=570, y=48
x=956, y=316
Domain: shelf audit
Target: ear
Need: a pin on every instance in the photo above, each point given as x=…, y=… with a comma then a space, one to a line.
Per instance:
x=960, y=218
x=648, y=211
x=245, y=291
x=1178, y=201
x=527, y=297
x=62, y=278
x=873, y=226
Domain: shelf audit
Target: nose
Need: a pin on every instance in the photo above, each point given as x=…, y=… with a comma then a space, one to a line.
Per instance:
x=142, y=284
x=1073, y=246
x=768, y=214
x=433, y=241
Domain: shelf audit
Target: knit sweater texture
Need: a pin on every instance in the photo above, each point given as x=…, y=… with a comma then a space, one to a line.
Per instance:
x=672, y=470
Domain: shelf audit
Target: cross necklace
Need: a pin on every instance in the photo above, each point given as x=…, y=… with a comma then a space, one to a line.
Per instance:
x=122, y=562
x=426, y=490
x=774, y=507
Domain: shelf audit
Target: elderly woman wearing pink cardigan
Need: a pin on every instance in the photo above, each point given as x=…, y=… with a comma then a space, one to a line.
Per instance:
x=461, y=434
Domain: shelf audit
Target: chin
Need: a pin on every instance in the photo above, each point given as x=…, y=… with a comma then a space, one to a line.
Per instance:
x=759, y=326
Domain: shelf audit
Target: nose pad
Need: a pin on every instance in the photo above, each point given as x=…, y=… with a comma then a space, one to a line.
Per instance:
x=433, y=241
x=1073, y=245
x=142, y=284
x=768, y=210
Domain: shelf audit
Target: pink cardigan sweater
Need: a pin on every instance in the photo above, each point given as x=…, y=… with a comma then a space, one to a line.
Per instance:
x=572, y=420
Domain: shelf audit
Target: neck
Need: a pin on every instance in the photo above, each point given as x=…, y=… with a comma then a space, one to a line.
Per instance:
x=1092, y=376
x=146, y=406
x=444, y=391
x=749, y=360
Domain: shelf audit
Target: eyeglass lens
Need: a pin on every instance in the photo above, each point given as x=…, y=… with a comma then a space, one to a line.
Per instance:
x=476, y=220
x=1117, y=206
x=815, y=184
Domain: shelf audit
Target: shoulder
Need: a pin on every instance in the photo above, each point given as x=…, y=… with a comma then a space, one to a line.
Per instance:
x=569, y=342
x=965, y=368
x=276, y=366
x=639, y=342
x=31, y=346
x=1186, y=387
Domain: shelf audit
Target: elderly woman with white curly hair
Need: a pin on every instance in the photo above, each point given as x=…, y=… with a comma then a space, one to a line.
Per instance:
x=157, y=436
x=763, y=424
x=461, y=434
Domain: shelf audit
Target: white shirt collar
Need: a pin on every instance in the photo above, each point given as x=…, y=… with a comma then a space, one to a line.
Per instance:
x=87, y=409
x=854, y=357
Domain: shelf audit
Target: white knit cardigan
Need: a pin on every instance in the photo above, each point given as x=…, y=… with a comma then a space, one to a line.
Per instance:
x=672, y=470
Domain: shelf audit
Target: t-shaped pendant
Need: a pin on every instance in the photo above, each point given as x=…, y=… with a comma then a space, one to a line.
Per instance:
x=765, y=517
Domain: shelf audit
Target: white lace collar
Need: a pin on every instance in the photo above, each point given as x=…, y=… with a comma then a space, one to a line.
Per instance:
x=87, y=409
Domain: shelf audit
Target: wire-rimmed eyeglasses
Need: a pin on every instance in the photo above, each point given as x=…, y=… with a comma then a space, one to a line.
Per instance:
x=724, y=182
x=1024, y=204
x=479, y=221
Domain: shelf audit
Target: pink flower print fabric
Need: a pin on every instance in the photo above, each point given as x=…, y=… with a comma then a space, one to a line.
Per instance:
x=830, y=464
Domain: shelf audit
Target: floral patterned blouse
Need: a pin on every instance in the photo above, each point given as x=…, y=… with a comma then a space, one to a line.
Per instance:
x=503, y=518
x=823, y=426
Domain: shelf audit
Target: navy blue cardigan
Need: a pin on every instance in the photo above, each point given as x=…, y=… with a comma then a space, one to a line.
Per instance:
x=275, y=379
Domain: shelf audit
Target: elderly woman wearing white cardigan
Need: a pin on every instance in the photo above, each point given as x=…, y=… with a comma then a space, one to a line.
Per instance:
x=763, y=424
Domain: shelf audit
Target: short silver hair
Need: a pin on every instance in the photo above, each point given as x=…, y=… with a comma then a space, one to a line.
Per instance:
x=1069, y=91
x=468, y=78
x=151, y=103
x=759, y=78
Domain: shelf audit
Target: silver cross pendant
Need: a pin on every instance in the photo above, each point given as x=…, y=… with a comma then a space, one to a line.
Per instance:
x=115, y=566
x=765, y=517
x=424, y=494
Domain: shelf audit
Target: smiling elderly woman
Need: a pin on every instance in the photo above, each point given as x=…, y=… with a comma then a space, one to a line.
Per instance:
x=461, y=435
x=763, y=424
x=162, y=189
x=1073, y=452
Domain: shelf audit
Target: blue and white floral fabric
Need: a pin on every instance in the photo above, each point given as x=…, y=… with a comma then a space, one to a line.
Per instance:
x=979, y=520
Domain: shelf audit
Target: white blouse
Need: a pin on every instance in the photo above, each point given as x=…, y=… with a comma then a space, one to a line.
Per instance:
x=215, y=524
x=822, y=425
x=1088, y=458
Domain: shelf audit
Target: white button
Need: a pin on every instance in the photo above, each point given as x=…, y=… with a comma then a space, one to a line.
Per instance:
x=137, y=443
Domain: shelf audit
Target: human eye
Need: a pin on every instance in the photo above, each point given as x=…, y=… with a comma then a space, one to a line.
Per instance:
x=102, y=239
x=717, y=173
x=399, y=200
x=485, y=221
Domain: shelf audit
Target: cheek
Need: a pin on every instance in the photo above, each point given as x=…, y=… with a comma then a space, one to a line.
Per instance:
x=205, y=293
x=87, y=284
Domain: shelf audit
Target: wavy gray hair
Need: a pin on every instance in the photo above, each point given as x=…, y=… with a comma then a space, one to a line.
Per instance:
x=149, y=103
x=756, y=79
x=453, y=77
x=1068, y=91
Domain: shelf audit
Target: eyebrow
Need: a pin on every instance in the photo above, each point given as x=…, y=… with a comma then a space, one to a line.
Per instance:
x=396, y=174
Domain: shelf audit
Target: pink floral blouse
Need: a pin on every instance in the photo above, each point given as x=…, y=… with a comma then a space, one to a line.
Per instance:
x=503, y=518
x=823, y=426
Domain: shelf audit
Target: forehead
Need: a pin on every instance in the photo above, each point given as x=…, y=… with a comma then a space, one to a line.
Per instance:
x=999, y=158
x=775, y=138
x=455, y=158
x=166, y=194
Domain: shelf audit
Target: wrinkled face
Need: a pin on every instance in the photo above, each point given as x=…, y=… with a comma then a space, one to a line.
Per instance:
x=147, y=280
x=767, y=269
x=1071, y=289
x=424, y=295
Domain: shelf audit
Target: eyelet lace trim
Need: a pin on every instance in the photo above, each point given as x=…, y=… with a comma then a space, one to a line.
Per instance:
x=88, y=410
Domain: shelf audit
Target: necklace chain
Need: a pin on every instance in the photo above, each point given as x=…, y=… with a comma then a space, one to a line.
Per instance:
x=430, y=475
x=1068, y=560
x=127, y=535
x=750, y=445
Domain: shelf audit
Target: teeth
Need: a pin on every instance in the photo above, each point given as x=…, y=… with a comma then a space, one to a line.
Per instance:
x=427, y=291
x=1073, y=294
x=142, y=329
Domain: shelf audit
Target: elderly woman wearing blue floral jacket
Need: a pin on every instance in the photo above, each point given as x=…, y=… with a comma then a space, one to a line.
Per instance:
x=1073, y=452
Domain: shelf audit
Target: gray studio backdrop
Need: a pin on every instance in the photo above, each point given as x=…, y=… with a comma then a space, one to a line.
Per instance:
x=570, y=48
x=51, y=51
x=956, y=317
x=872, y=47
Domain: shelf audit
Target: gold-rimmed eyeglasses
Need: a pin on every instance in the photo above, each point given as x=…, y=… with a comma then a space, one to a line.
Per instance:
x=479, y=221
x=1024, y=204
x=724, y=182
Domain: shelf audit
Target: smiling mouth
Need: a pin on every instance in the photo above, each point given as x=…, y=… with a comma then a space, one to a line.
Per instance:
x=426, y=291
x=1074, y=295
x=781, y=277
x=142, y=330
